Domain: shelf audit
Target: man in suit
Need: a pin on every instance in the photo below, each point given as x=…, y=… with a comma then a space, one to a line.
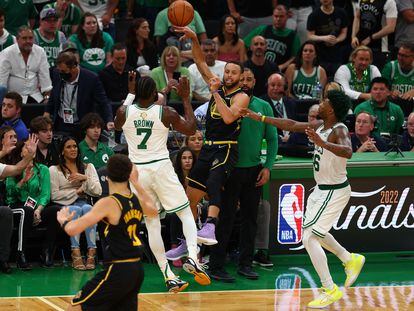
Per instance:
x=283, y=107
x=76, y=91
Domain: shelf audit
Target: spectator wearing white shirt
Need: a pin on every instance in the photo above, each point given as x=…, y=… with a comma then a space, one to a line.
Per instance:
x=356, y=76
x=201, y=91
x=24, y=68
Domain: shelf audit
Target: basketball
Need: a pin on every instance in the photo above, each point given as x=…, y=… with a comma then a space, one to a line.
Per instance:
x=180, y=13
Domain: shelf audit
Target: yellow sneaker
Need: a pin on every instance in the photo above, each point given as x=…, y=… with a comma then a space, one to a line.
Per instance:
x=326, y=298
x=353, y=268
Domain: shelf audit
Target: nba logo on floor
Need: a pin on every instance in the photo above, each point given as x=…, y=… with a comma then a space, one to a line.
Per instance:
x=291, y=202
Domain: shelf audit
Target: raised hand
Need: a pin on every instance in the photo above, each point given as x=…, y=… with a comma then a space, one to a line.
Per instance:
x=313, y=136
x=31, y=145
x=187, y=33
x=183, y=88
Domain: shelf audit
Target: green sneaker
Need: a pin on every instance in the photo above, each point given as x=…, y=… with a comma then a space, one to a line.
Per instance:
x=326, y=298
x=353, y=269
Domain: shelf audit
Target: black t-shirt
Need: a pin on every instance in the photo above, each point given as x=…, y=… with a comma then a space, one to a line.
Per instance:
x=323, y=25
x=261, y=74
x=296, y=4
x=251, y=8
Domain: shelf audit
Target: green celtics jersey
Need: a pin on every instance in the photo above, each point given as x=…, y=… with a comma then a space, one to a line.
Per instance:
x=400, y=81
x=6, y=40
x=93, y=58
x=360, y=85
x=304, y=83
x=72, y=17
x=51, y=47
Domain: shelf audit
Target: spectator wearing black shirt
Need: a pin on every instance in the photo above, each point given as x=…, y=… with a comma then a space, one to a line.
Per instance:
x=140, y=50
x=260, y=66
x=250, y=14
x=46, y=152
x=115, y=76
x=368, y=28
x=327, y=25
x=363, y=140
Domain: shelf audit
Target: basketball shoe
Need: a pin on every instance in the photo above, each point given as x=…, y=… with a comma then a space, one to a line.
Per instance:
x=326, y=298
x=176, y=285
x=352, y=268
x=200, y=276
x=207, y=234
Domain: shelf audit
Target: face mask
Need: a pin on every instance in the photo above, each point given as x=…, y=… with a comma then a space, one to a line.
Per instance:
x=65, y=76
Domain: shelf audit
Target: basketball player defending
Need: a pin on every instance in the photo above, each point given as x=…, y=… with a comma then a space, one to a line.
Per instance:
x=331, y=194
x=146, y=127
x=117, y=286
x=219, y=152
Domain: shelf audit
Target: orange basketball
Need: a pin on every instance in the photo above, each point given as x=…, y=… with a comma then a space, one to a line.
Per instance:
x=180, y=13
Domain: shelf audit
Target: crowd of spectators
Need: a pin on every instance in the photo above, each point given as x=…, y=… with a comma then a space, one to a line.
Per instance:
x=67, y=56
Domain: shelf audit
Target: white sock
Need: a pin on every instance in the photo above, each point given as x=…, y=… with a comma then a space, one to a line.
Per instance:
x=157, y=245
x=332, y=245
x=190, y=231
x=318, y=258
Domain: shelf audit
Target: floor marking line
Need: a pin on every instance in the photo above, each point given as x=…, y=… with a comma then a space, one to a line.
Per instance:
x=51, y=304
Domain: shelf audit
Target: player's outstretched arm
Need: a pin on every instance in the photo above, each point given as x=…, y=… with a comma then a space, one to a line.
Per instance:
x=198, y=55
x=188, y=124
x=338, y=142
x=147, y=204
x=104, y=208
x=283, y=124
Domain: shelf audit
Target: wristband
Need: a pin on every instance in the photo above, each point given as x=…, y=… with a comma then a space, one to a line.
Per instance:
x=263, y=118
x=64, y=224
x=129, y=100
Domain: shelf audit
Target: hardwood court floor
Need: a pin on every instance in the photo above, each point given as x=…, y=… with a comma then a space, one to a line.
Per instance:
x=386, y=283
x=358, y=298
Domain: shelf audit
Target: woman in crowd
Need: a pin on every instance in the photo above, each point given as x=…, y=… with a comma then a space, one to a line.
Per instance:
x=183, y=164
x=194, y=142
x=94, y=46
x=140, y=50
x=166, y=76
x=306, y=79
x=8, y=138
x=72, y=182
x=27, y=196
x=231, y=47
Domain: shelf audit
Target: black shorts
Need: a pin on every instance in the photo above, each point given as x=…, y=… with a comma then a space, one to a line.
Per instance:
x=114, y=288
x=218, y=158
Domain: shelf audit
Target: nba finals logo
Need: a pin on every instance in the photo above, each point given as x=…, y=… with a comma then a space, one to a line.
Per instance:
x=291, y=202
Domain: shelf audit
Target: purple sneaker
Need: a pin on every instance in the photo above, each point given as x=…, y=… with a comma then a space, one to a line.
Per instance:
x=179, y=252
x=207, y=234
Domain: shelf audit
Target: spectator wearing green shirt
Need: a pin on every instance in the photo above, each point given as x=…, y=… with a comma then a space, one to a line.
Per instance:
x=93, y=45
x=18, y=13
x=245, y=184
x=389, y=116
x=91, y=149
x=69, y=16
x=400, y=73
x=28, y=195
x=283, y=44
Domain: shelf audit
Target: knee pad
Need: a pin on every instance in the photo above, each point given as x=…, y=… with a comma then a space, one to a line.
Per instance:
x=215, y=183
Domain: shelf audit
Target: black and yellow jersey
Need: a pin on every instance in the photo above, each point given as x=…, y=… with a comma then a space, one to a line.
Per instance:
x=216, y=129
x=122, y=241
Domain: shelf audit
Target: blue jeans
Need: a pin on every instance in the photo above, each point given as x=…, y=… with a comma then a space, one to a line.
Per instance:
x=81, y=208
